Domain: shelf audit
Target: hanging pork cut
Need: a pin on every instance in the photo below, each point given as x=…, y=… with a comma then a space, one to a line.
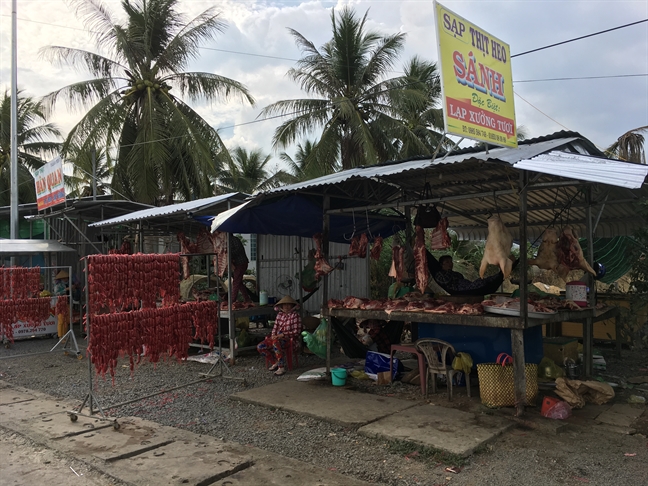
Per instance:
x=354, y=246
x=420, y=260
x=397, y=269
x=364, y=243
x=547, y=257
x=440, y=239
x=498, y=247
x=322, y=267
x=570, y=254
x=376, y=248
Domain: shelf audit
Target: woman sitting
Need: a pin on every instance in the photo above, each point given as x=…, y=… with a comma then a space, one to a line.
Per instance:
x=287, y=325
x=456, y=284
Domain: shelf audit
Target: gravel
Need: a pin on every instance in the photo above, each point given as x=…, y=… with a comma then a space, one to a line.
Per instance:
x=519, y=457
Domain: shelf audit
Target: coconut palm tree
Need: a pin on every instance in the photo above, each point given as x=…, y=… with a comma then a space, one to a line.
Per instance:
x=351, y=107
x=163, y=149
x=303, y=167
x=247, y=172
x=415, y=99
x=629, y=146
x=35, y=142
x=80, y=182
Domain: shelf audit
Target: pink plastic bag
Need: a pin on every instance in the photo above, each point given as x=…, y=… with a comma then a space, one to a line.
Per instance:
x=560, y=411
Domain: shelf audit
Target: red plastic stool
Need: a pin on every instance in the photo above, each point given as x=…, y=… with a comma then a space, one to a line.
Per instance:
x=409, y=348
x=289, y=356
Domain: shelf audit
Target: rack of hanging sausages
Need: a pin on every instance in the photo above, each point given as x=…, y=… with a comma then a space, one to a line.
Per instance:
x=25, y=309
x=134, y=310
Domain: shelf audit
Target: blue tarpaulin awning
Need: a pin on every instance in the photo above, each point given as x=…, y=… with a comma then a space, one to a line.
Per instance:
x=298, y=216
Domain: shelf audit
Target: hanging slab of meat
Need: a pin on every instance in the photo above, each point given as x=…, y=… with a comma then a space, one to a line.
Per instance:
x=322, y=267
x=420, y=260
x=398, y=263
x=219, y=243
x=354, y=246
x=186, y=246
x=498, y=247
x=570, y=254
x=376, y=248
x=364, y=243
x=547, y=257
x=440, y=239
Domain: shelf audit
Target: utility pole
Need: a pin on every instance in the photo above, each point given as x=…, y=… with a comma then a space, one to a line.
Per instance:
x=14, y=126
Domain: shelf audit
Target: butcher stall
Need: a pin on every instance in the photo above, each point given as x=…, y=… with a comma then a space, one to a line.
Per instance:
x=27, y=307
x=557, y=181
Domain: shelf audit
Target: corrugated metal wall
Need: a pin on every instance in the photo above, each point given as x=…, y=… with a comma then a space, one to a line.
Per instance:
x=278, y=270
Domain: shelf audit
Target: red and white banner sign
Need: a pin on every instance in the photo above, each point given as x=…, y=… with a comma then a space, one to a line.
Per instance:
x=50, y=186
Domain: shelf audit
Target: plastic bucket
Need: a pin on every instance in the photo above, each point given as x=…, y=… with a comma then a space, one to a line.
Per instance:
x=339, y=376
x=263, y=298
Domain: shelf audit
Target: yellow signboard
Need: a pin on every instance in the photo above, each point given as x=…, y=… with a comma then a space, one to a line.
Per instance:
x=476, y=81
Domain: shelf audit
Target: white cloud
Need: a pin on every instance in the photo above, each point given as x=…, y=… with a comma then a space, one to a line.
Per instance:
x=601, y=109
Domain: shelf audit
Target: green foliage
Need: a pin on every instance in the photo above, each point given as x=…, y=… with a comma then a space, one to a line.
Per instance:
x=247, y=172
x=164, y=149
x=36, y=139
x=354, y=103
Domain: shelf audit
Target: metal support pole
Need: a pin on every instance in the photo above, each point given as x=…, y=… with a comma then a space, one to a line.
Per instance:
x=517, y=335
x=588, y=325
x=325, y=251
x=299, y=270
x=94, y=174
x=14, y=127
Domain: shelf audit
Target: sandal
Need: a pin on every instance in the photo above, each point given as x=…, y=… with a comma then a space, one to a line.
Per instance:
x=273, y=367
x=280, y=372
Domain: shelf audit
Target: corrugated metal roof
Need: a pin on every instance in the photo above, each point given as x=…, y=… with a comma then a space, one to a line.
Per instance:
x=383, y=171
x=470, y=185
x=30, y=247
x=193, y=207
x=585, y=168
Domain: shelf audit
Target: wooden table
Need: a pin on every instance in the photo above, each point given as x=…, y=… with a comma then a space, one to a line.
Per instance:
x=260, y=310
x=587, y=315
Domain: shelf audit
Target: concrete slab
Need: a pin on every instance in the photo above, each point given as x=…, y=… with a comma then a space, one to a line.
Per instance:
x=132, y=438
x=145, y=453
x=178, y=463
x=443, y=428
x=285, y=475
x=620, y=415
x=324, y=401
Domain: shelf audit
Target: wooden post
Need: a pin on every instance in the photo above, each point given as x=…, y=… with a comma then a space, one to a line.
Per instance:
x=588, y=325
x=519, y=378
x=617, y=332
x=517, y=335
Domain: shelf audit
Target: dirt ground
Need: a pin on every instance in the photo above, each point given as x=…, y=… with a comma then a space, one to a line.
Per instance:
x=536, y=452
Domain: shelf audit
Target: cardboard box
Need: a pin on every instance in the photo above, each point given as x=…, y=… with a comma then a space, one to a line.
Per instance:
x=559, y=348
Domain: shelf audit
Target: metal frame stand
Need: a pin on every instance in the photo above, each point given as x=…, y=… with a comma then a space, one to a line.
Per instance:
x=90, y=398
x=220, y=362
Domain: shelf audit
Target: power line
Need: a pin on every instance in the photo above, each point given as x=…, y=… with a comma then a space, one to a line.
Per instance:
x=584, y=77
x=579, y=38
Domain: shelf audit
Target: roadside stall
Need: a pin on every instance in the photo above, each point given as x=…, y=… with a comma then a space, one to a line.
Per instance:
x=27, y=308
x=557, y=180
x=183, y=228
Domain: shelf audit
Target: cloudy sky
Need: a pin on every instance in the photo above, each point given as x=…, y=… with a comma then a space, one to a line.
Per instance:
x=257, y=50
